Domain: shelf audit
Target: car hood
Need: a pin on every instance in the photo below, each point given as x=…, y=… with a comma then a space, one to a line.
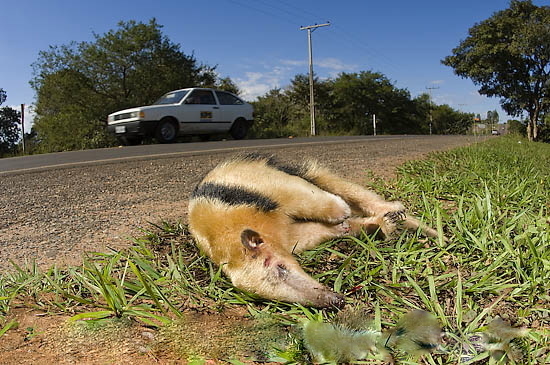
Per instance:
x=142, y=108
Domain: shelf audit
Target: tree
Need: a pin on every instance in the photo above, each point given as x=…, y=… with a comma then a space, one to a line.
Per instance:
x=358, y=96
x=79, y=84
x=516, y=127
x=9, y=127
x=447, y=120
x=424, y=106
x=545, y=132
x=492, y=117
x=273, y=115
x=226, y=84
x=346, y=104
x=508, y=56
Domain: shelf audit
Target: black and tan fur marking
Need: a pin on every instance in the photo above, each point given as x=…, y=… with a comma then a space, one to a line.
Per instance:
x=251, y=213
x=234, y=195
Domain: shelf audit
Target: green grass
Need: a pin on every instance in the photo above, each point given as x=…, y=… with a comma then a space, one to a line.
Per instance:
x=492, y=200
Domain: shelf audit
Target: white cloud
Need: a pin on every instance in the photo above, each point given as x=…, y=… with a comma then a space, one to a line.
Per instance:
x=335, y=65
x=330, y=63
x=294, y=63
x=257, y=83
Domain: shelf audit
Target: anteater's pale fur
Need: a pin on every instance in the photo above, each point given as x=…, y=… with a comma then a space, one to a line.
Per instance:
x=252, y=213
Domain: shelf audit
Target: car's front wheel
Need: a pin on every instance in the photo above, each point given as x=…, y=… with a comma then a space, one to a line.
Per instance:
x=167, y=131
x=239, y=129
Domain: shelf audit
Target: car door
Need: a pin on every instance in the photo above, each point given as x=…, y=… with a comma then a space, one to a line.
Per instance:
x=199, y=113
x=232, y=107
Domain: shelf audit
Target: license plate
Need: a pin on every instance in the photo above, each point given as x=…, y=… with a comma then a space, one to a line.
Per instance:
x=120, y=129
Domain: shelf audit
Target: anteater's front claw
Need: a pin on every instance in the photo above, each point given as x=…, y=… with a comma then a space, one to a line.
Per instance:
x=395, y=216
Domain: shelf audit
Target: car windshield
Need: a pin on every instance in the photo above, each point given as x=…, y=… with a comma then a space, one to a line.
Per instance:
x=172, y=97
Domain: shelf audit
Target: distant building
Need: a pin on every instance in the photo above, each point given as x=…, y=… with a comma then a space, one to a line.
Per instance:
x=479, y=128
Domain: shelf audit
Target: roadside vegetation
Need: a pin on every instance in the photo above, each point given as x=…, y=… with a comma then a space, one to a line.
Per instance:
x=346, y=104
x=490, y=200
x=9, y=129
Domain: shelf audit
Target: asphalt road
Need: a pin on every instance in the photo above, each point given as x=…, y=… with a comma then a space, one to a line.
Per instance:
x=15, y=165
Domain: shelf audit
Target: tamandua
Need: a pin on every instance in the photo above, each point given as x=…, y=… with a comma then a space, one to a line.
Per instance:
x=252, y=213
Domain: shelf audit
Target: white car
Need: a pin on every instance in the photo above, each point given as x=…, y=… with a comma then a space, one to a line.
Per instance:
x=192, y=111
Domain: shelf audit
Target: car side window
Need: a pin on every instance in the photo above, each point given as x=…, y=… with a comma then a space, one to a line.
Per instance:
x=228, y=99
x=201, y=97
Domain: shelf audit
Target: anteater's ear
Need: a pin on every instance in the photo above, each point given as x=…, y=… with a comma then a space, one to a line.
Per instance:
x=251, y=239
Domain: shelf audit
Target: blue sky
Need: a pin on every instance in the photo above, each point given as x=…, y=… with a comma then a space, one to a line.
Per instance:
x=258, y=43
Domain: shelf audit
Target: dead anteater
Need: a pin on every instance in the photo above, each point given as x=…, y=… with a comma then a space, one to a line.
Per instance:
x=252, y=213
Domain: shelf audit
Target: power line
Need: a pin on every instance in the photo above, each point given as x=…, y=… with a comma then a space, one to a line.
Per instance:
x=351, y=40
x=300, y=10
x=263, y=11
x=295, y=15
x=283, y=10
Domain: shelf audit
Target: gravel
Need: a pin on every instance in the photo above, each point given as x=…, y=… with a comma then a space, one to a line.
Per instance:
x=55, y=216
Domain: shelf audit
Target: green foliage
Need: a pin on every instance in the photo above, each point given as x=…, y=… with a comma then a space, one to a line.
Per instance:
x=346, y=105
x=359, y=96
x=446, y=120
x=508, y=56
x=225, y=84
x=79, y=84
x=544, y=133
x=9, y=127
x=273, y=116
x=516, y=127
x=70, y=130
x=492, y=116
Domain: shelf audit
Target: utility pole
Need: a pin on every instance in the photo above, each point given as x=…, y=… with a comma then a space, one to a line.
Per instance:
x=23, y=125
x=310, y=29
x=430, y=93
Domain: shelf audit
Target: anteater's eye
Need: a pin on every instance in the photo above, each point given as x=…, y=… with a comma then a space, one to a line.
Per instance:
x=282, y=271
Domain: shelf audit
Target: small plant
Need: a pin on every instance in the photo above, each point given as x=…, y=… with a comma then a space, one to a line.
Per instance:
x=8, y=326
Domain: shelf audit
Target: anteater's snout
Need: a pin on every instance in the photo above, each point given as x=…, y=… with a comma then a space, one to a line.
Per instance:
x=330, y=299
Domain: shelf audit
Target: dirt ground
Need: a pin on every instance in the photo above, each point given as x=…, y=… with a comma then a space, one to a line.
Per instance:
x=53, y=217
x=42, y=338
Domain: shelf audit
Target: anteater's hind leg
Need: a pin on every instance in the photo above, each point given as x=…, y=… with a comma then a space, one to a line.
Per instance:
x=385, y=215
x=362, y=201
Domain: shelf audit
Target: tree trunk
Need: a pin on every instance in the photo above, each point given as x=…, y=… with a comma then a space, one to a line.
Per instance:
x=533, y=119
